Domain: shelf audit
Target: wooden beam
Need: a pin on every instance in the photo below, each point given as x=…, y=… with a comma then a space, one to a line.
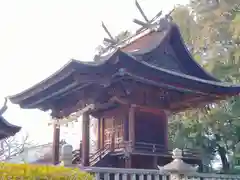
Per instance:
x=186, y=102
x=192, y=104
x=73, y=117
x=92, y=78
x=91, y=108
x=150, y=109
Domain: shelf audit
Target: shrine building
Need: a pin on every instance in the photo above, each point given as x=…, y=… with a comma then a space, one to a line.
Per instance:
x=130, y=91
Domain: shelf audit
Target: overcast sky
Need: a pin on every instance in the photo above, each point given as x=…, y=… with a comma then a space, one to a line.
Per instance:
x=39, y=36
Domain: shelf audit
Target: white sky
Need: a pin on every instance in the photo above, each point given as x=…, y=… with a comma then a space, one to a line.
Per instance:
x=38, y=36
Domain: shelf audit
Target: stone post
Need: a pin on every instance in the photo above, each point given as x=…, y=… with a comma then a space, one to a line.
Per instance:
x=66, y=155
x=178, y=168
x=56, y=143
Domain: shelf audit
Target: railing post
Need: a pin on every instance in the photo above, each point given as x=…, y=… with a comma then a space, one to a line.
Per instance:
x=178, y=168
x=66, y=155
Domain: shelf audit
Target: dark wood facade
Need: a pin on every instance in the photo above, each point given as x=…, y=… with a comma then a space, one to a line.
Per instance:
x=131, y=137
x=129, y=92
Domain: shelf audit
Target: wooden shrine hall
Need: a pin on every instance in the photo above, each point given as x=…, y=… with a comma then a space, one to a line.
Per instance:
x=6, y=129
x=129, y=91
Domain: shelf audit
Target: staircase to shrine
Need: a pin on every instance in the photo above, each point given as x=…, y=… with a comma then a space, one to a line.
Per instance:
x=100, y=158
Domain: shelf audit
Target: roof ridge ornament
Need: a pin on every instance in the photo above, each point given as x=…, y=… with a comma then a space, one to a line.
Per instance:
x=113, y=43
x=4, y=107
x=111, y=39
x=148, y=24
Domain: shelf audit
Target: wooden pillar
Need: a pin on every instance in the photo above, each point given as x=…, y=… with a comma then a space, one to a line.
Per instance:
x=102, y=133
x=125, y=129
x=165, y=118
x=155, y=162
x=131, y=126
x=128, y=162
x=113, y=131
x=85, y=139
x=56, y=144
x=99, y=134
x=131, y=134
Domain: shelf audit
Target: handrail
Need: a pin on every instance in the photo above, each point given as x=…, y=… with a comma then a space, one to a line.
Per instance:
x=138, y=146
x=150, y=144
x=76, y=156
x=158, y=148
x=99, y=154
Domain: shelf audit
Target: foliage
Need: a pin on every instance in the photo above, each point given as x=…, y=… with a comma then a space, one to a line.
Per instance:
x=189, y=27
x=120, y=37
x=26, y=171
x=212, y=31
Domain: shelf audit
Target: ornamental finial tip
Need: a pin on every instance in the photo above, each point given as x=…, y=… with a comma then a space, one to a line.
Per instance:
x=177, y=153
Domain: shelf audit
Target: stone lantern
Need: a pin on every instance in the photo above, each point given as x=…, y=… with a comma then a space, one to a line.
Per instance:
x=66, y=155
x=178, y=168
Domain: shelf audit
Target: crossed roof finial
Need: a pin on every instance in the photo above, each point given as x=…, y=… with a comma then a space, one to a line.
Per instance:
x=4, y=107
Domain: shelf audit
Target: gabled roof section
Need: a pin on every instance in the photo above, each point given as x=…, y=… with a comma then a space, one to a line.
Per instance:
x=158, y=58
x=166, y=49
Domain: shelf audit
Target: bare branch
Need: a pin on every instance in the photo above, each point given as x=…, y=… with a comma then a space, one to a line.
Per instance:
x=13, y=146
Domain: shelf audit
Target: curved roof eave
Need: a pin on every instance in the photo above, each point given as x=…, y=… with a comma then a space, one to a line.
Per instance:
x=8, y=128
x=167, y=75
x=60, y=74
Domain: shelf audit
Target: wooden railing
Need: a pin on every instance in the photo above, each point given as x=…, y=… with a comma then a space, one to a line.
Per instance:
x=143, y=174
x=137, y=147
x=99, y=154
x=76, y=156
x=150, y=147
x=161, y=149
x=154, y=148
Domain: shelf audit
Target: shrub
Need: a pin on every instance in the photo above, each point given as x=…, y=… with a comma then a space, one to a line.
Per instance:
x=28, y=171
